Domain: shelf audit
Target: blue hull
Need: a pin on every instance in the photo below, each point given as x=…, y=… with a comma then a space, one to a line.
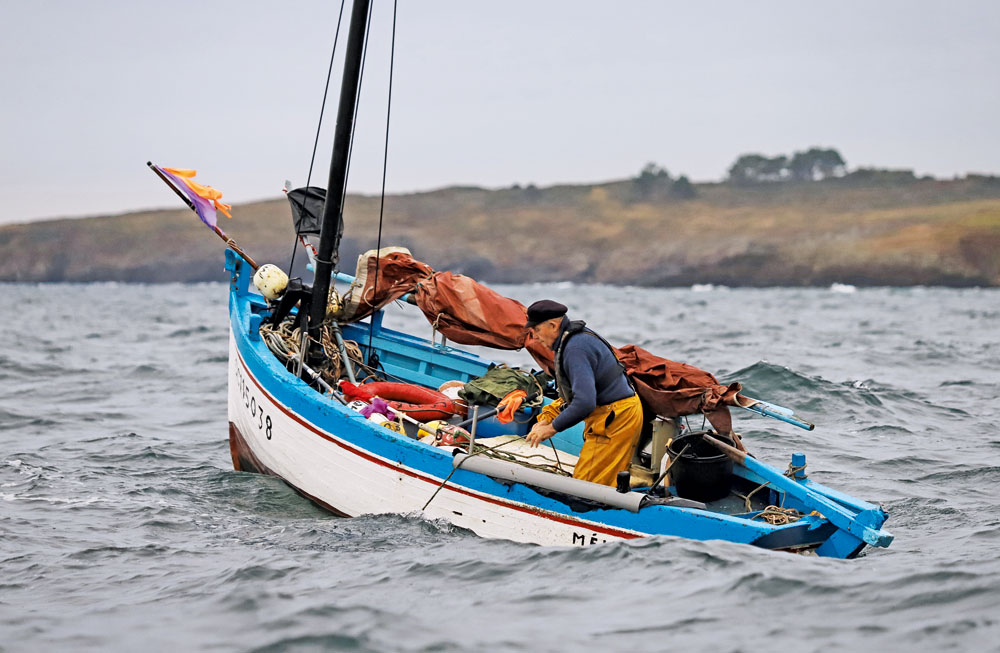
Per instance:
x=398, y=473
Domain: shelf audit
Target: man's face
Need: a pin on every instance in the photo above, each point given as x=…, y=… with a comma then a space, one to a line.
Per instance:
x=546, y=331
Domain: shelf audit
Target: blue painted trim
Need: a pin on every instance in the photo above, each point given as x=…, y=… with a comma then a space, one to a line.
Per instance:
x=357, y=432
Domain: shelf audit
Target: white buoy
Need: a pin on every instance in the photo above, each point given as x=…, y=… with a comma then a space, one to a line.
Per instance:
x=270, y=280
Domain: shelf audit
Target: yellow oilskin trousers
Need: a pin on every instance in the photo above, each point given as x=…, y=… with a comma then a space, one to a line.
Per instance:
x=610, y=435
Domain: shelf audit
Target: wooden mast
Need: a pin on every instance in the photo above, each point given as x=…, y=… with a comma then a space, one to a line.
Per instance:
x=329, y=239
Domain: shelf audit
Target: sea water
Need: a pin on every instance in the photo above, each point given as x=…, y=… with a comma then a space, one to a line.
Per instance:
x=123, y=526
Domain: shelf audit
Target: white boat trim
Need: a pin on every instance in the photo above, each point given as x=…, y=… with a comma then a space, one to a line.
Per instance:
x=484, y=514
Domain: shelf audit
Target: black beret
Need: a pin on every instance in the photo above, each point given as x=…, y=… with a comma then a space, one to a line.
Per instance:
x=544, y=309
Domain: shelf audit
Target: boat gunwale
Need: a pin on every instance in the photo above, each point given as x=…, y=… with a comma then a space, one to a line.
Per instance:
x=469, y=483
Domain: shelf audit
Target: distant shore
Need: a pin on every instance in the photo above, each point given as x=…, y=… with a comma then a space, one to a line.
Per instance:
x=864, y=232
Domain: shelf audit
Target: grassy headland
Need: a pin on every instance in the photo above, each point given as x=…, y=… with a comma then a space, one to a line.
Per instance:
x=864, y=230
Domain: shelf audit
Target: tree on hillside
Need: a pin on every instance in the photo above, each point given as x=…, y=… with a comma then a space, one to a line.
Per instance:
x=775, y=169
x=532, y=193
x=683, y=189
x=754, y=168
x=816, y=163
x=653, y=181
x=831, y=164
x=813, y=164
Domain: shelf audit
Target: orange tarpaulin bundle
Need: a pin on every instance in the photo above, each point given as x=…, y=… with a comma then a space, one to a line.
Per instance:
x=380, y=280
x=673, y=389
x=469, y=313
x=464, y=310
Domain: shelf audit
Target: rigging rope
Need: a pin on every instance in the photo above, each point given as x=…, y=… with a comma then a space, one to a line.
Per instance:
x=372, y=356
x=778, y=516
x=476, y=452
x=284, y=340
x=772, y=514
x=357, y=103
x=794, y=469
x=322, y=110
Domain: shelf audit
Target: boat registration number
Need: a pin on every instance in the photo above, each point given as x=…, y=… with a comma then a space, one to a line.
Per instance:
x=583, y=539
x=258, y=417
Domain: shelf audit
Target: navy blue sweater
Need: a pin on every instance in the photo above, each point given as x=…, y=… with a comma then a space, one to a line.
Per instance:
x=594, y=375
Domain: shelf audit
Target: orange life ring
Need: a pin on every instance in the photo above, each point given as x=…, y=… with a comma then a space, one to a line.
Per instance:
x=420, y=403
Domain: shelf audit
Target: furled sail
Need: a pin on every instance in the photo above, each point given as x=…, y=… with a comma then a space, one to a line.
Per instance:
x=469, y=313
x=673, y=389
x=380, y=278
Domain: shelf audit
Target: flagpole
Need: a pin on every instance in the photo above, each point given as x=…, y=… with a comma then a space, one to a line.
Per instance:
x=230, y=243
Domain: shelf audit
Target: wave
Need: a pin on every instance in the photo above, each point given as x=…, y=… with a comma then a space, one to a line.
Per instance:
x=782, y=385
x=184, y=333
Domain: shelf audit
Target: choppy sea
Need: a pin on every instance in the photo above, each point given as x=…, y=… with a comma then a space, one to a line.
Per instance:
x=123, y=526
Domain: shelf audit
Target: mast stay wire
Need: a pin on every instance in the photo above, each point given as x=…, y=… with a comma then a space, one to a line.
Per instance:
x=372, y=356
x=350, y=152
x=357, y=103
x=322, y=110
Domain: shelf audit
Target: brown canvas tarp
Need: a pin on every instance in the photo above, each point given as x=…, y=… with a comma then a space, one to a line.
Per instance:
x=673, y=389
x=469, y=313
x=380, y=280
x=464, y=310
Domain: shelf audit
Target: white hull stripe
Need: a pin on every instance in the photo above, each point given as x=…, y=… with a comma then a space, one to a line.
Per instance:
x=600, y=528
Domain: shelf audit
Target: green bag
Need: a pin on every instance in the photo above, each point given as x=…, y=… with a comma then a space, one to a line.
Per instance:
x=497, y=383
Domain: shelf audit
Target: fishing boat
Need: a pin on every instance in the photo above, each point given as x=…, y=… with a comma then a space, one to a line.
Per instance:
x=465, y=466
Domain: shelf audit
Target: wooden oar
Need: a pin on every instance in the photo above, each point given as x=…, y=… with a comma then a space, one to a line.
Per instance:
x=858, y=524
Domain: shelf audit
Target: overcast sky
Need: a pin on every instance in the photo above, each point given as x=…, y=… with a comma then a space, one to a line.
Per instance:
x=488, y=94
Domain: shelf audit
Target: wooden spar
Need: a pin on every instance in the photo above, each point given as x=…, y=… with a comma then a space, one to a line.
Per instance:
x=771, y=410
x=334, y=205
x=230, y=243
x=839, y=516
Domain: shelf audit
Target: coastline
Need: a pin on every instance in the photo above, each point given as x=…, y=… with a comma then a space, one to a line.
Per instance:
x=923, y=232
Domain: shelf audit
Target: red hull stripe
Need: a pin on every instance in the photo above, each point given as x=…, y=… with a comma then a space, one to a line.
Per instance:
x=431, y=480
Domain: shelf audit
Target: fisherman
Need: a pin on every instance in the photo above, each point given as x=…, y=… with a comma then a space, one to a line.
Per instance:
x=592, y=388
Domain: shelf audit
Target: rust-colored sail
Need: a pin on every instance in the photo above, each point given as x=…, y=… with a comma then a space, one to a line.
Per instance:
x=469, y=313
x=380, y=280
x=673, y=389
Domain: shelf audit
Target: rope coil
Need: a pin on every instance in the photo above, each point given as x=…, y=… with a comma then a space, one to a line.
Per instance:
x=778, y=516
x=284, y=340
x=795, y=469
x=774, y=515
x=490, y=452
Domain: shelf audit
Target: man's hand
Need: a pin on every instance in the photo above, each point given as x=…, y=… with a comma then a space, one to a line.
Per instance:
x=540, y=432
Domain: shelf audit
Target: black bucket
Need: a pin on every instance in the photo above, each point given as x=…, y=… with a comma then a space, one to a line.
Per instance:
x=703, y=473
